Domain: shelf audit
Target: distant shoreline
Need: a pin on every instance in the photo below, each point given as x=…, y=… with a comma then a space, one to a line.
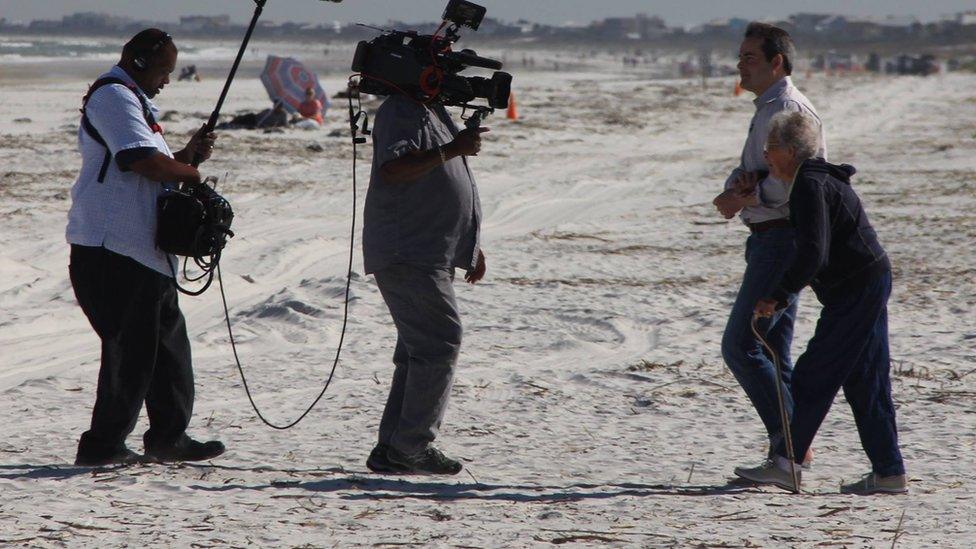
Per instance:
x=213, y=57
x=666, y=43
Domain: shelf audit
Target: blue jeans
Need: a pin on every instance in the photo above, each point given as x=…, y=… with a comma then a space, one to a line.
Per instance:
x=849, y=349
x=768, y=255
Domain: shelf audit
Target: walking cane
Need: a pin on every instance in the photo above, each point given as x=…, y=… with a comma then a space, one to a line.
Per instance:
x=783, y=416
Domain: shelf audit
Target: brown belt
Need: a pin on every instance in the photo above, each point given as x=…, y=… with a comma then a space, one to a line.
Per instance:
x=771, y=224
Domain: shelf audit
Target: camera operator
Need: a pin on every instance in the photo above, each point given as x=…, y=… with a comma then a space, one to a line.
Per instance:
x=123, y=283
x=422, y=220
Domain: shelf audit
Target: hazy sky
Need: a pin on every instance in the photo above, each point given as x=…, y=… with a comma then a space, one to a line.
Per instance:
x=675, y=12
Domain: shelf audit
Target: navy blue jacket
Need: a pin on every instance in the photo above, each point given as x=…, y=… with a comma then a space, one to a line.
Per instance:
x=836, y=247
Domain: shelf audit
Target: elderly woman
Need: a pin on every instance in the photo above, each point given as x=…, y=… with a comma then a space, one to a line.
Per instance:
x=839, y=256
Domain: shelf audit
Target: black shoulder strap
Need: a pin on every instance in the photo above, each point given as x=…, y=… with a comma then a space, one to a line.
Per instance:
x=90, y=128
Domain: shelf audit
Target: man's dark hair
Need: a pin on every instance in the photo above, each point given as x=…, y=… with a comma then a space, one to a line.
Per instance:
x=774, y=41
x=144, y=42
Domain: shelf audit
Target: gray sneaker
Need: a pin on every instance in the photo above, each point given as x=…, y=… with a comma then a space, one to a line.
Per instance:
x=378, y=462
x=873, y=484
x=770, y=473
x=429, y=461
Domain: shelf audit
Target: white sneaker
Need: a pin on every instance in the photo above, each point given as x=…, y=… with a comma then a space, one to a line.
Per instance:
x=773, y=471
x=873, y=484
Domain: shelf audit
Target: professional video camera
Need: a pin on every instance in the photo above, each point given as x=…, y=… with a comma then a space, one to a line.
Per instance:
x=425, y=68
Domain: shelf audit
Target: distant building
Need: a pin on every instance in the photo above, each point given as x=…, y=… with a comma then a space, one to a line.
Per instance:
x=639, y=27
x=616, y=28
x=820, y=30
x=200, y=23
x=832, y=24
x=44, y=25
x=860, y=30
x=898, y=21
x=525, y=26
x=88, y=21
x=494, y=27
x=808, y=23
x=651, y=27
x=723, y=27
x=966, y=18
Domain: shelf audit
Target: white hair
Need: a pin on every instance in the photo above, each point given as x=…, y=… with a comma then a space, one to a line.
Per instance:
x=796, y=131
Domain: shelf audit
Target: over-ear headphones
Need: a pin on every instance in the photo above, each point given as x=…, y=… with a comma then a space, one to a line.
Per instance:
x=141, y=60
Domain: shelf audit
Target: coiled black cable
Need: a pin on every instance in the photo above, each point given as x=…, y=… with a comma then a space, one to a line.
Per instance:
x=345, y=319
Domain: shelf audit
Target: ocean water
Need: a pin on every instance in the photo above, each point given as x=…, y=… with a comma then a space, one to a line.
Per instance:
x=216, y=55
x=34, y=50
x=24, y=49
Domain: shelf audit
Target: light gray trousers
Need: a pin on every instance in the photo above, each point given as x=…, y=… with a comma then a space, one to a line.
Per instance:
x=422, y=304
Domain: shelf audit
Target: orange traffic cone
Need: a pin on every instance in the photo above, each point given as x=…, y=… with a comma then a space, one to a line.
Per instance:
x=512, y=108
x=738, y=88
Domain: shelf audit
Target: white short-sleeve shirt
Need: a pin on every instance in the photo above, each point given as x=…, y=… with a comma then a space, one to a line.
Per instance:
x=118, y=213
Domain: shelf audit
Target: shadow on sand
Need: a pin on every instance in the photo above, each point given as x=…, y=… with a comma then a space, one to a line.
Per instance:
x=57, y=472
x=62, y=471
x=351, y=486
x=390, y=488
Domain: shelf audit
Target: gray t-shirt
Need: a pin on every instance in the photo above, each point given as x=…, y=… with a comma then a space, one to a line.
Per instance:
x=433, y=221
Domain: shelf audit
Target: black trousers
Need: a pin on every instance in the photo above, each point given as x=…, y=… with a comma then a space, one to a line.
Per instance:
x=145, y=350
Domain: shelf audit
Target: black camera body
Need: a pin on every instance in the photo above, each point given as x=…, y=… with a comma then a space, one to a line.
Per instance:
x=425, y=68
x=193, y=221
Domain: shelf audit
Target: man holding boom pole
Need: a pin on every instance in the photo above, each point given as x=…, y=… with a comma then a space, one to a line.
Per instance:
x=123, y=282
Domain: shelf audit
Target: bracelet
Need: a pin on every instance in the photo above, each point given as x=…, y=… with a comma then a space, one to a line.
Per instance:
x=440, y=150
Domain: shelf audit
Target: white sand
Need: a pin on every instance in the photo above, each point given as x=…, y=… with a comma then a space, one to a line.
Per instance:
x=591, y=404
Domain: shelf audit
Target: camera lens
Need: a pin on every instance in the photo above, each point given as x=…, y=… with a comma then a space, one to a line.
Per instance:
x=501, y=84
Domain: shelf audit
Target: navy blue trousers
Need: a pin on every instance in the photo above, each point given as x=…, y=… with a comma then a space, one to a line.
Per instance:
x=849, y=350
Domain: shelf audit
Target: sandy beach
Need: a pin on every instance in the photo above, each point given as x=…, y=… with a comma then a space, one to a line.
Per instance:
x=591, y=405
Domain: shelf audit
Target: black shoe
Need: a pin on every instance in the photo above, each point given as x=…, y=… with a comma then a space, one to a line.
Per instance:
x=379, y=463
x=123, y=456
x=186, y=449
x=430, y=461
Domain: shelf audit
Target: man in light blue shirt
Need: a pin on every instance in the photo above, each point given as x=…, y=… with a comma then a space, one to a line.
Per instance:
x=766, y=59
x=123, y=283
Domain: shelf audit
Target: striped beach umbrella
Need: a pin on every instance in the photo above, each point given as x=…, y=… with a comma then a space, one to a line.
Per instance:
x=286, y=80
